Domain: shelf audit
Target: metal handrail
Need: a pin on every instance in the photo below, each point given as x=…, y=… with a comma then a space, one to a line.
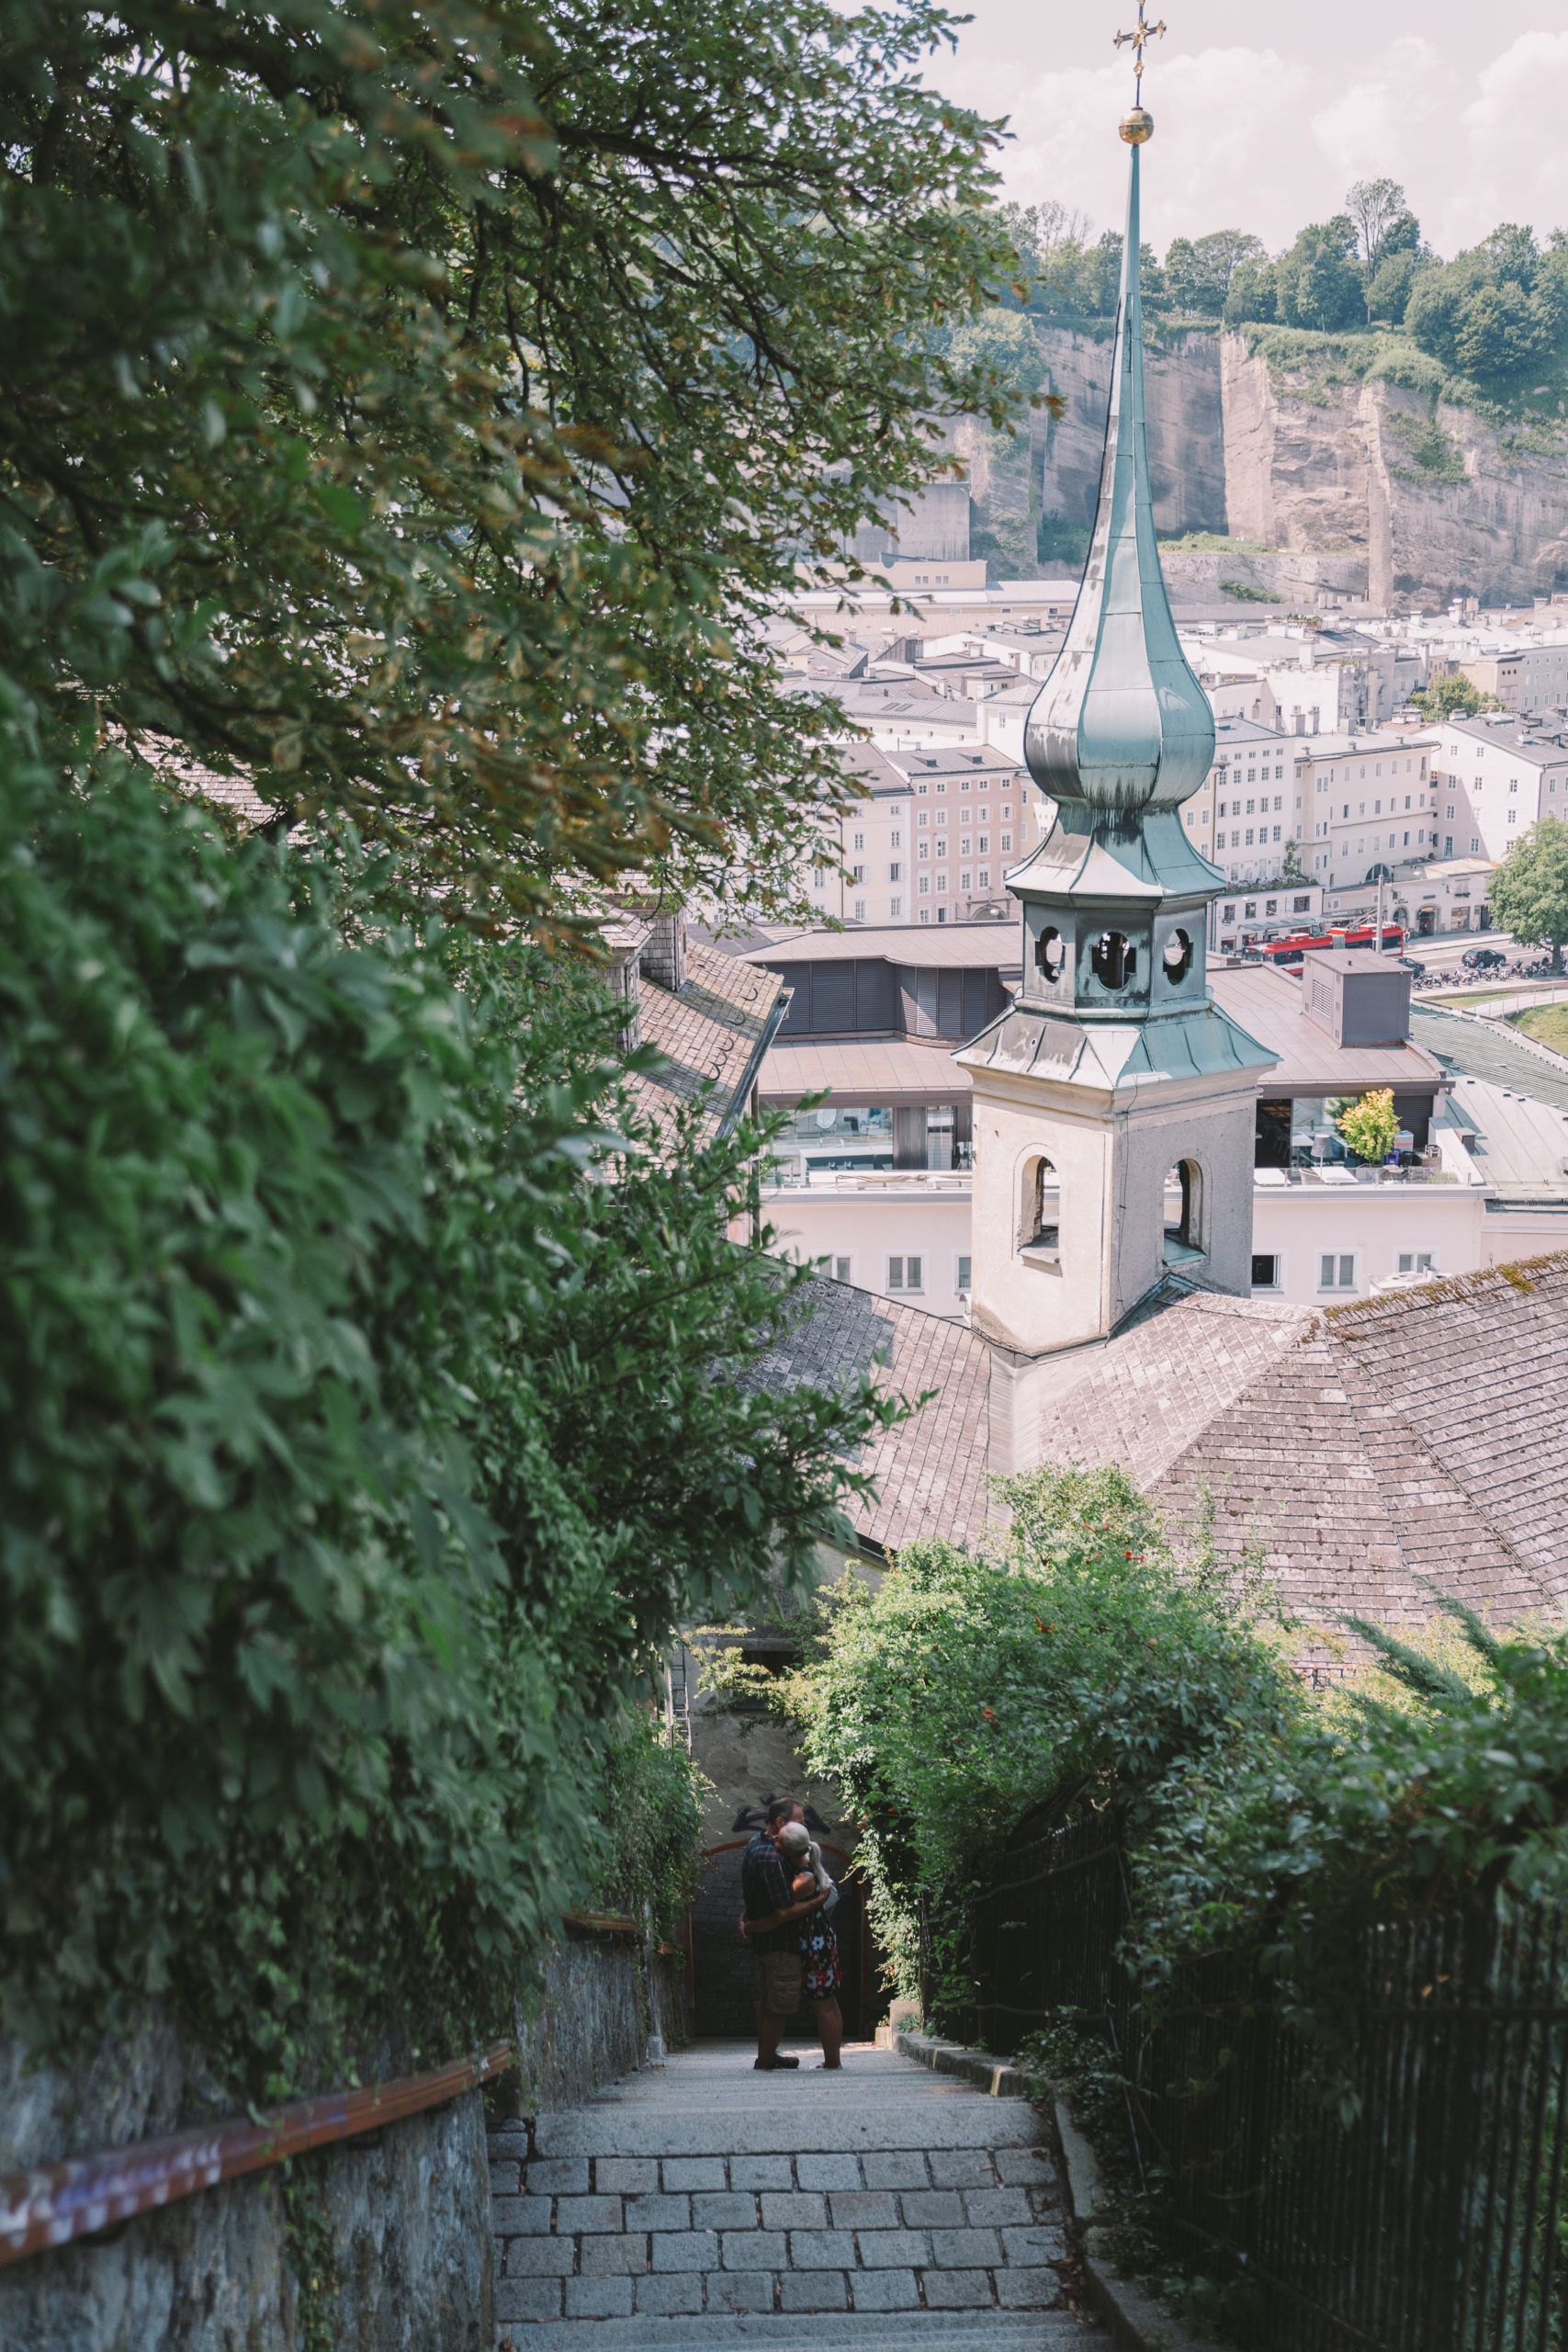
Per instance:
x=52, y=2204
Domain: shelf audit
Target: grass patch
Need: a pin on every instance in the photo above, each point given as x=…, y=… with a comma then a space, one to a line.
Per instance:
x=1213, y=543
x=1547, y=1024
x=1247, y=595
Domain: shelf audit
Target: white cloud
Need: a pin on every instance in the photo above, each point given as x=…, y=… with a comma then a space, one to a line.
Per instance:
x=1259, y=139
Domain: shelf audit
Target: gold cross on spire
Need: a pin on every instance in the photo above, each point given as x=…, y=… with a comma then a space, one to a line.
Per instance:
x=1140, y=39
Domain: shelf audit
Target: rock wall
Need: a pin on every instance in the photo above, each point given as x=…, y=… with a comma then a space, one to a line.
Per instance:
x=395, y=2224
x=1436, y=504
x=597, y=2004
x=1350, y=486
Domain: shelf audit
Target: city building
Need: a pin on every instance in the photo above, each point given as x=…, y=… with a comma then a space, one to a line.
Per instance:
x=1367, y=803
x=1494, y=775
x=930, y=841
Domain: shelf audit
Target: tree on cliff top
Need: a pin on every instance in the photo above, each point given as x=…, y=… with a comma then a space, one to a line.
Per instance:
x=420, y=407
x=1528, y=893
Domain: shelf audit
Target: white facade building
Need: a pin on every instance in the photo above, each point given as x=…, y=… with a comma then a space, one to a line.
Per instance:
x=1367, y=802
x=1494, y=777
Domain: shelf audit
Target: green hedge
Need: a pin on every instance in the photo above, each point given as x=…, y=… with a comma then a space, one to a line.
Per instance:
x=359, y=1437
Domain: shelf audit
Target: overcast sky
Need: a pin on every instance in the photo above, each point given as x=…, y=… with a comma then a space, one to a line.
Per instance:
x=1264, y=116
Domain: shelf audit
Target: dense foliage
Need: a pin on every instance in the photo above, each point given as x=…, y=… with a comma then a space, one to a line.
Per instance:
x=1529, y=891
x=422, y=406
x=1073, y=1668
x=1081, y=1664
x=1491, y=316
x=361, y=1434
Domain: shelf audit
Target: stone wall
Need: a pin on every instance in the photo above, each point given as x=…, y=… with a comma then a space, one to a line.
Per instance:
x=396, y=2224
x=594, y=2008
x=399, y=2222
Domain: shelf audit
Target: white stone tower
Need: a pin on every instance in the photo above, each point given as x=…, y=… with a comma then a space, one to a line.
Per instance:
x=1115, y=1071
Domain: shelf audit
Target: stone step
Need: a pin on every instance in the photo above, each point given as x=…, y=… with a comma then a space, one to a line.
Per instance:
x=857, y=2331
x=955, y=2118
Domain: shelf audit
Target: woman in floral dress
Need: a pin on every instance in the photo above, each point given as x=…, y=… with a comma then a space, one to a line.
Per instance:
x=821, y=1968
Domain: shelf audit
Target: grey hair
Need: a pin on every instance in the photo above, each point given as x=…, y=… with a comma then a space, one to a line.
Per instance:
x=794, y=1839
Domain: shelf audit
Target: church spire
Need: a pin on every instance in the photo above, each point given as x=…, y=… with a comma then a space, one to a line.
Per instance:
x=1121, y=728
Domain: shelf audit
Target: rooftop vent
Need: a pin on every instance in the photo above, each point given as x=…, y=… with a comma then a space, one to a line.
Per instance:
x=1359, y=999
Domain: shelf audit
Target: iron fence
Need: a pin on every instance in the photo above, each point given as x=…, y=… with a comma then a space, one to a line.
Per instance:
x=1399, y=2187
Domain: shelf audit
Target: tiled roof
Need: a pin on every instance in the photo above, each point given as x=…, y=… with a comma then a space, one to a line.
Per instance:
x=1416, y=1435
x=1177, y=1362
x=1404, y=1442
x=931, y=1468
x=709, y=1032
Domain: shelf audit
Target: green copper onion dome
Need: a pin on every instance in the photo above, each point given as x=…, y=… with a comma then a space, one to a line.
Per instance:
x=1122, y=726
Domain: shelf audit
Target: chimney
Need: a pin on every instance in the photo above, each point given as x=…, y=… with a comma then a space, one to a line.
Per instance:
x=664, y=957
x=627, y=943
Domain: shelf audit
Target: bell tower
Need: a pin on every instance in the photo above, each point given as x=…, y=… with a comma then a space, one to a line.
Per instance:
x=1113, y=1103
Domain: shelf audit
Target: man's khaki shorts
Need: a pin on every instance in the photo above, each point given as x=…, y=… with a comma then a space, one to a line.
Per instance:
x=778, y=1982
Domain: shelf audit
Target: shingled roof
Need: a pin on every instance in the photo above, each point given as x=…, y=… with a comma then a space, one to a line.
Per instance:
x=712, y=1031
x=1417, y=1437
x=931, y=1469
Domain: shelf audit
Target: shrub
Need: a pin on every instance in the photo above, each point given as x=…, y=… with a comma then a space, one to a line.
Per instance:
x=360, y=1439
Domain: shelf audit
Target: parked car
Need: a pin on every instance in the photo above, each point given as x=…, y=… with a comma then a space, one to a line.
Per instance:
x=1413, y=966
x=1482, y=959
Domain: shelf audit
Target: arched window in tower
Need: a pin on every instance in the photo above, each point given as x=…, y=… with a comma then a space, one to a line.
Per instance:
x=1184, y=1212
x=1178, y=957
x=1039, y=1225
x=1050, y=954
x=1114, y=959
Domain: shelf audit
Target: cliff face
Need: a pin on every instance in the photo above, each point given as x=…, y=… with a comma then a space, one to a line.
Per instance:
x=1353, y=486
x=1438, y=503
x=1186, y=458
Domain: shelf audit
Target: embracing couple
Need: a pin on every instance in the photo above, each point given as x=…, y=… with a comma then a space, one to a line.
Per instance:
x=788, y=1895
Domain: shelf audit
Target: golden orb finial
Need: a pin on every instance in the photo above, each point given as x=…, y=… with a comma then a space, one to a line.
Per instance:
x=1137, y=127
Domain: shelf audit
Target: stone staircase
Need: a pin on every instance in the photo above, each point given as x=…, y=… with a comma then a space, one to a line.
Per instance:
x=702, y=2204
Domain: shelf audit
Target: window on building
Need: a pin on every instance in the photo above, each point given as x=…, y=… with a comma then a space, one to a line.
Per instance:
x=1264, y=1273
x=1276, y=832
x=895, y=906
x=860, y=911
x=895, y=839
x=818, y=877
x=1249, y=833
x=985, y=843
x=925, y=816
x=903, y=1273
x=962, y=1283
x=894, y=872
x=1513, y=816
x=859, y=841
x=1474, y=843
x=925, y=886
x=842, y=1269
x=925, y=914
x=1416, y=1261
x=1007, y=842
x=1337, y=1273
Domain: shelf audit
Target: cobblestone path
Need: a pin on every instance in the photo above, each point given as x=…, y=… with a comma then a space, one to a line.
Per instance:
x=704, y=2205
